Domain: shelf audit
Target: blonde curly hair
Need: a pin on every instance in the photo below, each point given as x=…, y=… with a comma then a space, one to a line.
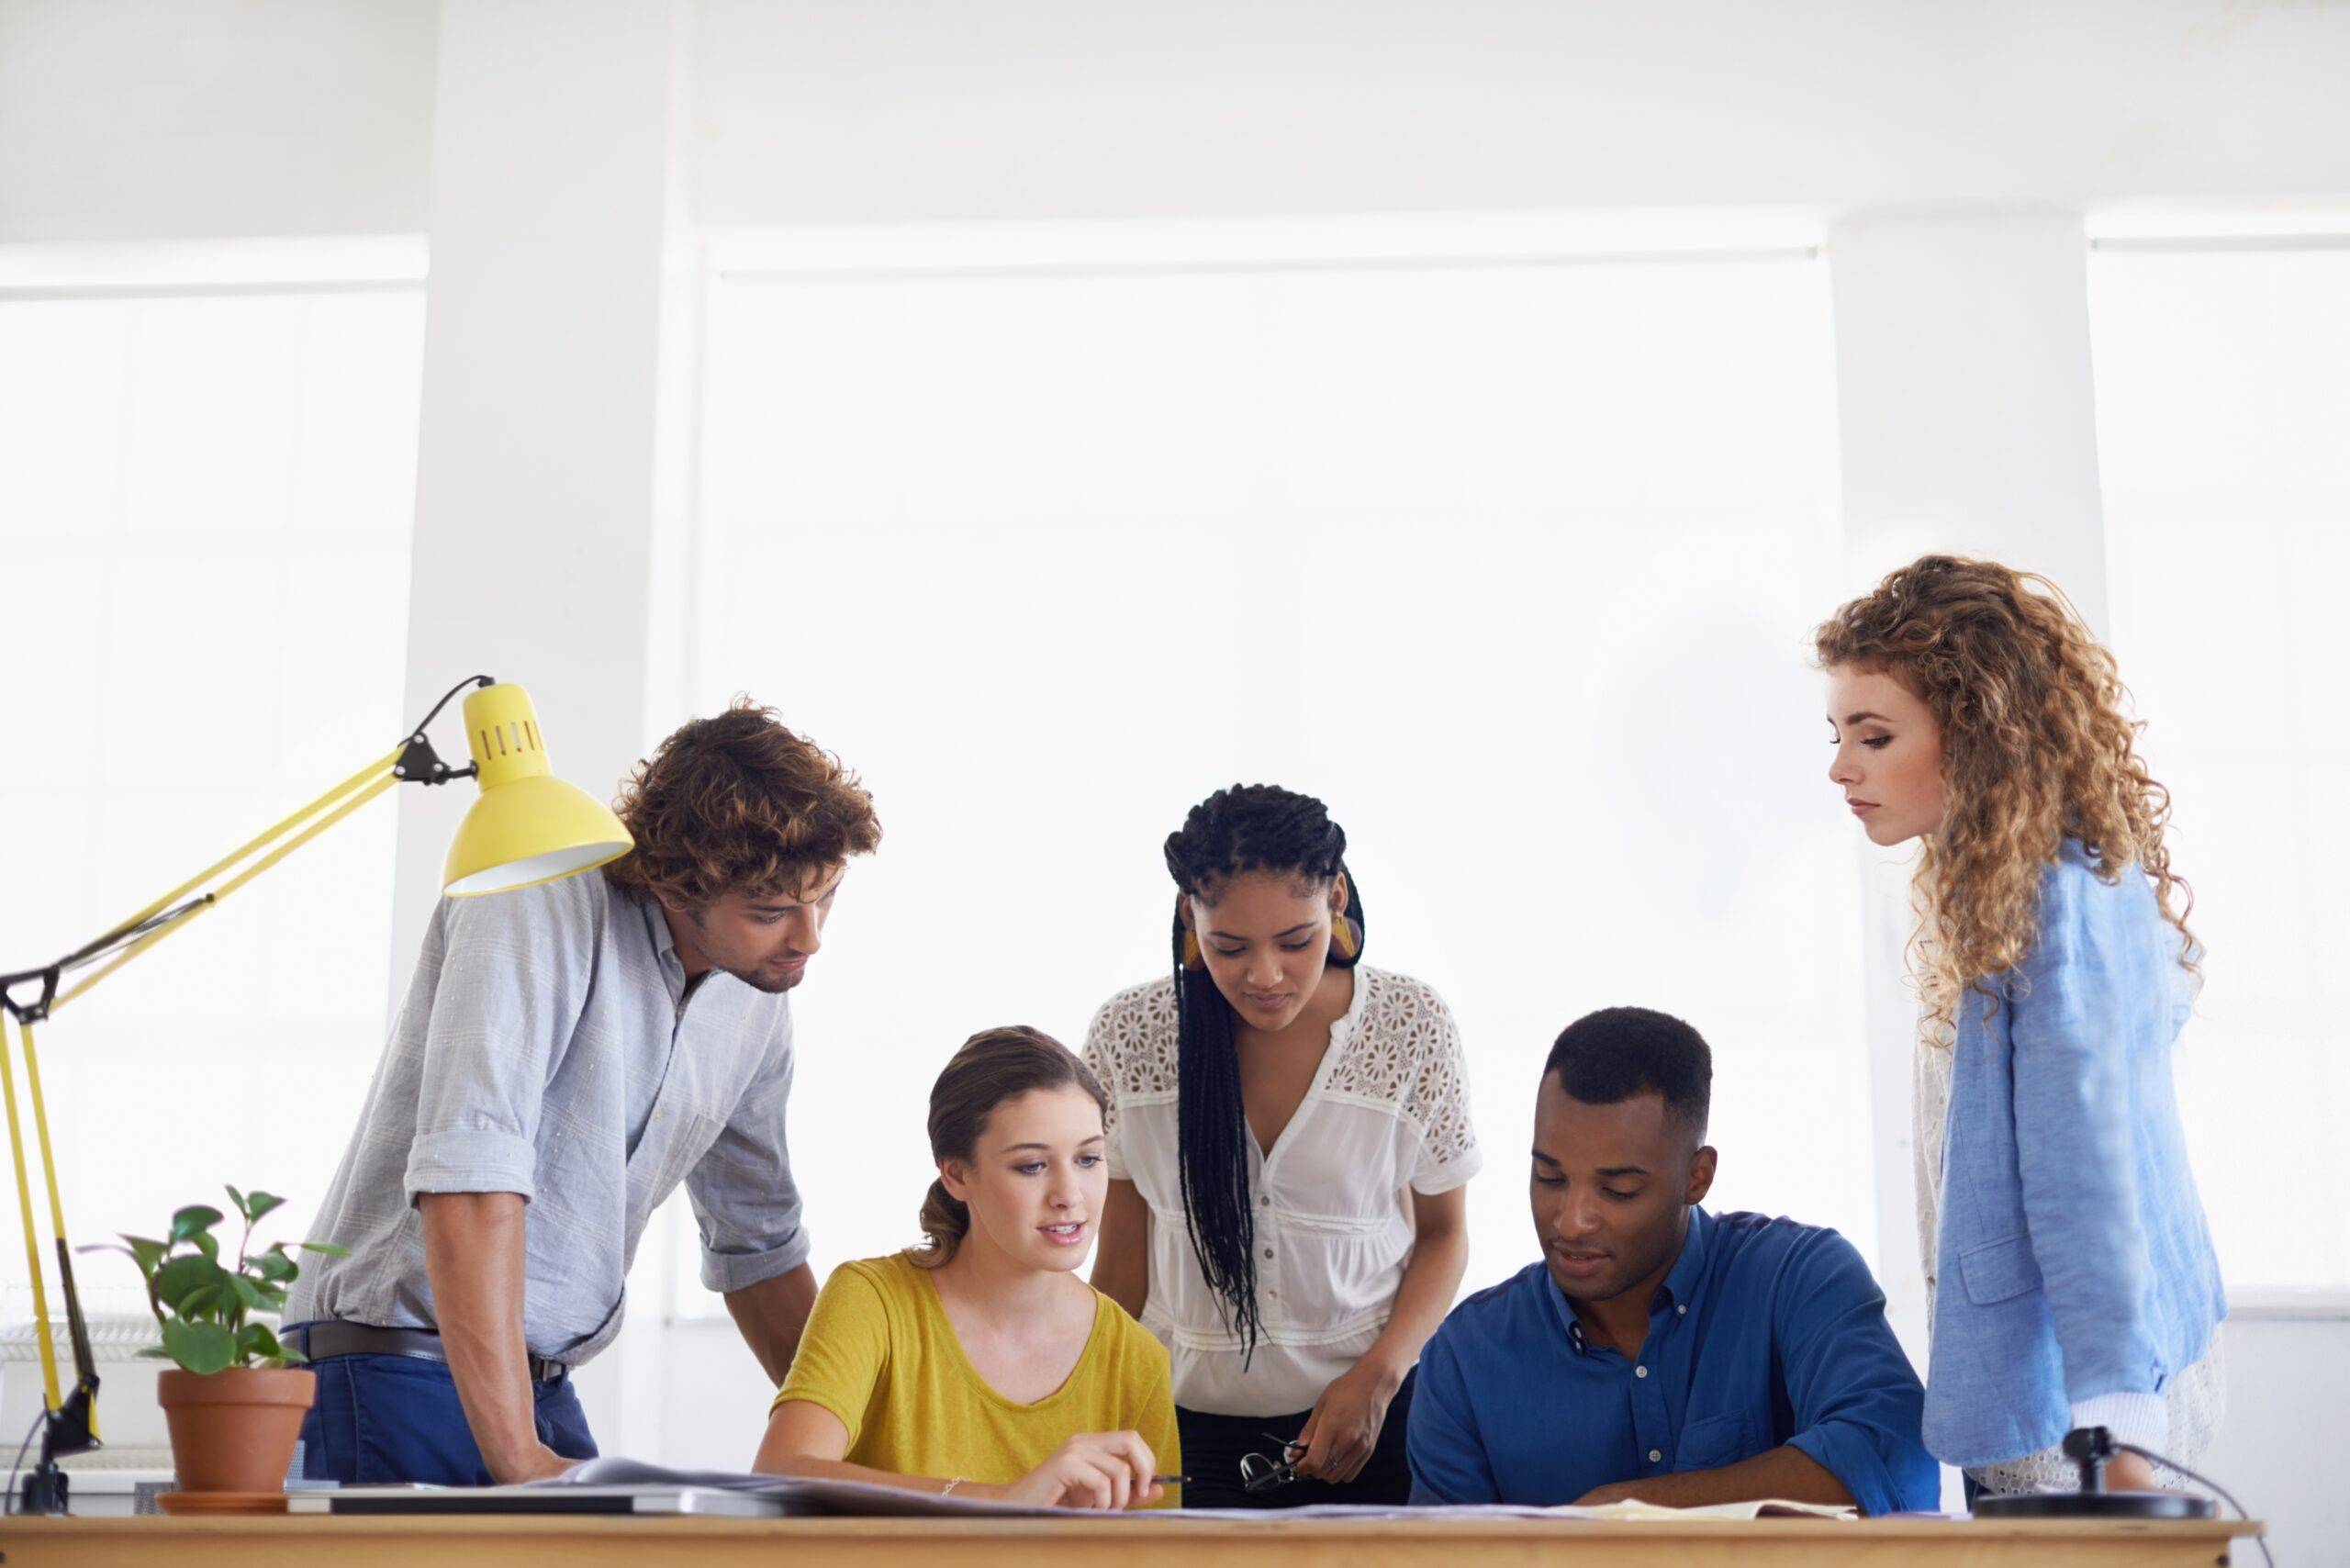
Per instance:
x=2036, y=747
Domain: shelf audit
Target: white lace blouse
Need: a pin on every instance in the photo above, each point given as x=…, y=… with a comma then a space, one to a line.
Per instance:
x=1388, y=1109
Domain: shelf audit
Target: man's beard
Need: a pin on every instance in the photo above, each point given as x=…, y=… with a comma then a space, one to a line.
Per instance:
x=773, y=985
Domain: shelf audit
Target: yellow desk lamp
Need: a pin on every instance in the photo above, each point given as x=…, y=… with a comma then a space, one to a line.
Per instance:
x=527, y=827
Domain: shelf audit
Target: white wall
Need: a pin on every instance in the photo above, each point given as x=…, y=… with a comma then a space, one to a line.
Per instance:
x=162, y=119
x=1066, y=109
x=169, y=118
x=176, y=119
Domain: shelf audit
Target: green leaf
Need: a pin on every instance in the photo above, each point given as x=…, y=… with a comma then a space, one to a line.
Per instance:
x=272, y=1265
x=175, y=1279
x=247, y=1292
x=270, y=1298
x=207, y=1244
x=238, y=1199
x=255, y=1339
x=262, y=1202
x=193, y=1221
x=203, y=1348
x=146, y=1252
x=202, y=1299
x=327, y=1247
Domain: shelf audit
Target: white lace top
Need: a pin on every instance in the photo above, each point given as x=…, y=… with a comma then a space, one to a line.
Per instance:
x=1388, y=1109
x=2194, y=1401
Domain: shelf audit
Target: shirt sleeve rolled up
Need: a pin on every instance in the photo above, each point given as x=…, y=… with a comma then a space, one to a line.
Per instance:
x=745, y=1201
x=1857, y=1402
x=514, y=975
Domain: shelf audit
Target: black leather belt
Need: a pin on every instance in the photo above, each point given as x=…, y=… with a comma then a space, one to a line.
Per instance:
x=335, y=1338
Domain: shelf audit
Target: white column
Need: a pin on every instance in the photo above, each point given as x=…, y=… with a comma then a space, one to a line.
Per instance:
x=542, y=464
x=1968, y=425
x=1965, y=401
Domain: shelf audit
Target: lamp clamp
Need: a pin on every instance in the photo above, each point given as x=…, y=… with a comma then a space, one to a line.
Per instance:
x=418, y=762
x=37, y=1010
x=47, y=1488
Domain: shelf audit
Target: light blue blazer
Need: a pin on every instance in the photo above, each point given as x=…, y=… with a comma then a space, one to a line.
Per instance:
x=2073, y=1260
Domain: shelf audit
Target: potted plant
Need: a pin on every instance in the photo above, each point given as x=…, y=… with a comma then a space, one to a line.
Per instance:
x=236, y=1400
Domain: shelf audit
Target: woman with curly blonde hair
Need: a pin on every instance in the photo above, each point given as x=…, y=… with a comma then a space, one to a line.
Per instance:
x=2070, y=1273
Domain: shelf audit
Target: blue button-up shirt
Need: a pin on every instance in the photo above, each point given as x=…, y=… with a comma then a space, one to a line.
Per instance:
x=1764, y=1333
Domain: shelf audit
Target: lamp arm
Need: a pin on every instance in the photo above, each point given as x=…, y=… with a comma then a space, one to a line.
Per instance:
x=71, y=1423
x=412, y=761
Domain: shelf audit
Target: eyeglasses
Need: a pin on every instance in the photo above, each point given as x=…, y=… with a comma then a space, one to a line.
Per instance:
x=1259, y=1475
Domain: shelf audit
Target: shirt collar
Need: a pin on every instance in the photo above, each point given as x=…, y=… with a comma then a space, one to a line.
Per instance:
x=1681, y=1284
x=1565, y=1310
x=656, y=925
x=665, y=951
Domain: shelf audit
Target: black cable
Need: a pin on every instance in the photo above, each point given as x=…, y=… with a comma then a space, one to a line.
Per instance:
x=8, y=1503
x=417, y=728
x=114, y=941
x=2241, y=1512
x=106, y=946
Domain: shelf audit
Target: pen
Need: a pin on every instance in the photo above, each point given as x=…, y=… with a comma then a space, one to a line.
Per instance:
x=1170, y=1480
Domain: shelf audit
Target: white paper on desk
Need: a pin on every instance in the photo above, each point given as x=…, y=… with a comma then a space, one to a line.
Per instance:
x=1761, y=1509
x=805, y=1495
x=795, y=1494
x=1616, y=1512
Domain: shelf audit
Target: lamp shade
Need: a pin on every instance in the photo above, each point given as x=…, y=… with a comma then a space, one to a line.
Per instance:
x=529, y=826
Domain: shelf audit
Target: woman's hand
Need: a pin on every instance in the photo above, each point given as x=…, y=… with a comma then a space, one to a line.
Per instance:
x=1344, y=1429
x=2128, y=1472
x=1092, y=1470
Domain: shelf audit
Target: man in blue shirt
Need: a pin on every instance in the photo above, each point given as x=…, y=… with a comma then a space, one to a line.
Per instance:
x=1657, y=1352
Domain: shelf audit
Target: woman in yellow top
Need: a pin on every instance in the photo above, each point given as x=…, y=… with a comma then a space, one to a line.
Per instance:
x=980, y=1365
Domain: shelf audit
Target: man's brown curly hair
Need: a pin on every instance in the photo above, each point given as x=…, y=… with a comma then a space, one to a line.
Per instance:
x=738, y=803
x=2037, y=745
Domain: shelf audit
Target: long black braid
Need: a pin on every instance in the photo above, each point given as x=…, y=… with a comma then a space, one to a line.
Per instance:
x=1251, y=827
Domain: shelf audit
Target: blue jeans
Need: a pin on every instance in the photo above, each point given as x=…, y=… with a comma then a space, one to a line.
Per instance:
x=386, y=1418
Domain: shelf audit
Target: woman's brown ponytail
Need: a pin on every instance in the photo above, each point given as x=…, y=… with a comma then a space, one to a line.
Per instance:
x=946, y=1220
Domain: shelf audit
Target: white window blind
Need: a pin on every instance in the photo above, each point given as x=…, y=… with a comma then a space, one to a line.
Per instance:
x=205, y=503
x=2223, y=394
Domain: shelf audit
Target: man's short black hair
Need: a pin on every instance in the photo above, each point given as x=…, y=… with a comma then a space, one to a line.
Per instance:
x=1610, y=1055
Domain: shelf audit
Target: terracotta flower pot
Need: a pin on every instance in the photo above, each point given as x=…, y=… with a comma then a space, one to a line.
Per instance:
x=234, y=1430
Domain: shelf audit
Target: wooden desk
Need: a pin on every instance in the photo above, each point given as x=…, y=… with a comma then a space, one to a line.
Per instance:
x=455, y=1542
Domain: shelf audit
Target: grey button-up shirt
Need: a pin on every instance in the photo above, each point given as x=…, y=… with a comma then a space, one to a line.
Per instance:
x=548, y=1047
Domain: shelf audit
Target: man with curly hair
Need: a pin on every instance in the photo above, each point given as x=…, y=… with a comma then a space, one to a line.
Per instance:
x=568, y=1053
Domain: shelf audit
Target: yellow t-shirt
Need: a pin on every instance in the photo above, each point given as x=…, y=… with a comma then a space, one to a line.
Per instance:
x=879, y=1353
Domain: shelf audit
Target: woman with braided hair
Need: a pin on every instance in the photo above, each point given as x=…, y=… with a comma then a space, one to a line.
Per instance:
x=1289, y=1141
x=2070, y=1274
